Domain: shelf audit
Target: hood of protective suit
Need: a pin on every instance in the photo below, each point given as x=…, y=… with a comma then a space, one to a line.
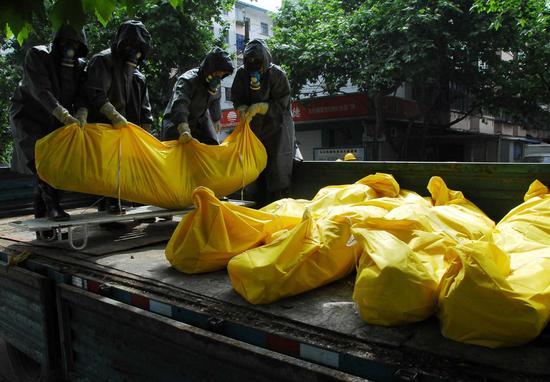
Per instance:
x=132, y=32
x=67, y=32
x=216, y=60
x=258, y=49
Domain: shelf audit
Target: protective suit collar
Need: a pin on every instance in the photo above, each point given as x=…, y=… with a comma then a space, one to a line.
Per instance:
x=134, y=33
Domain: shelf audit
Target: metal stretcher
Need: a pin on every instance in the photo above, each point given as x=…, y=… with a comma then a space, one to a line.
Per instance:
x=83, y=221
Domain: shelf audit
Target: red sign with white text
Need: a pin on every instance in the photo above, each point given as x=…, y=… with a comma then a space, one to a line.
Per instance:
x=344, y=106
x=335, y=107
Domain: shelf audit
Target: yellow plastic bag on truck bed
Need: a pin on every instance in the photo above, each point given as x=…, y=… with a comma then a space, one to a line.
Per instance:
x=208, y=237
x=287, y=207
x=312, y=254
x=497, y=292
x=404, y=253
x=396, y=281
x=481, y=302
x=524, y=233
x=457, y=212
x=315, y=252
x=370, y=187
x=132, y=164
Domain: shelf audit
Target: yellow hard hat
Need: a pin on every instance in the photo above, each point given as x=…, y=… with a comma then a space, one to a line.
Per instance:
x=349, y=156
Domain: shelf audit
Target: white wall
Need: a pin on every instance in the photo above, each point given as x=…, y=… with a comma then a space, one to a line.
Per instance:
x=308, y=140
x=257, y=16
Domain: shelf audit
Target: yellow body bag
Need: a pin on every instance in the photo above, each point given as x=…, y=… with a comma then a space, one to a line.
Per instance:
x=131, y=164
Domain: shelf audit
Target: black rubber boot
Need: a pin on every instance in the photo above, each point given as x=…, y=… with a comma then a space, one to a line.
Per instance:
x=38, y=202
x=50, y=196
x=40, y=212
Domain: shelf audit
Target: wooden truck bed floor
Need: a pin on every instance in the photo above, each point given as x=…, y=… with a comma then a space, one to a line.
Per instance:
x=325, y=317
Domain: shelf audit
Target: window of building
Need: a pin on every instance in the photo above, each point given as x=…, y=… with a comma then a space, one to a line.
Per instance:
x=227, y=94
x=265, y=29
x=518, y=151
x=240, y=42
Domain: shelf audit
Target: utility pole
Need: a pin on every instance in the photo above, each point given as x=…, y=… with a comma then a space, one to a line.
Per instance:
x=246, y=29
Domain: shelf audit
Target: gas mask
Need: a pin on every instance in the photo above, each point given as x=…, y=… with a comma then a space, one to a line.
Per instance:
x=132, y=56
x=254, y=66
x=255, y=80
x=68, y=52
x=214, y=83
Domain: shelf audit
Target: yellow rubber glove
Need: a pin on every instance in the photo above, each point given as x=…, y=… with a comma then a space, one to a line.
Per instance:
x=64, y=116
x=185, y=132
x=256, y=108
x=242, y=112
x=117, y=119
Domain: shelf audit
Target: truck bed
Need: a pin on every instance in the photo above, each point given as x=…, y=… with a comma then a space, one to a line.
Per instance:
x=321, y=326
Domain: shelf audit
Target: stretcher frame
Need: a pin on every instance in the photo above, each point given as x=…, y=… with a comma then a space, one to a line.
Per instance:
x=84, y=220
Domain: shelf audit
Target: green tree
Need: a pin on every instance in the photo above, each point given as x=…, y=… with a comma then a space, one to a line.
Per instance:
x=377, y=45
x=17, y=17
x=181, y=36
x=523, y=95
x=11, y=59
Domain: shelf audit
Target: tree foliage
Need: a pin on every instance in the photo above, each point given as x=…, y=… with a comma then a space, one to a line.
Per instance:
x=17, y=16
x=525, y=12
x=524, y=89
x=181, y=36
x=377, y=45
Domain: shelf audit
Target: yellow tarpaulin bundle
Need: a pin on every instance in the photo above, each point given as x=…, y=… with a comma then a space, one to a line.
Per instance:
x=397, y=281
x=315, y=252
x=370, y=187
x=457, y=213
x=331, y=198
x=312, y=254
x=287, y=207
x=404, y=254
x=497, y=291
x=524, y=233
x=208, y=237
x=132, y=164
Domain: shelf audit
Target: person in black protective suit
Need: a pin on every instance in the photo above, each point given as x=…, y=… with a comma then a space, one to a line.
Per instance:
x=194, y=108
x=49, y=96
x=116, y=89
x=261, y=94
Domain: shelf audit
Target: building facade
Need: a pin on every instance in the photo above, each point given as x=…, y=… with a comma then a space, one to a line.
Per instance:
x=327, y=127
x=243, y=19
